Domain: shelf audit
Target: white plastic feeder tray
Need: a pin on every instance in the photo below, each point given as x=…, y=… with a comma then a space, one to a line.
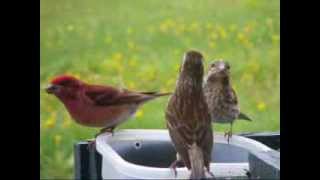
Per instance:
x=147, y=154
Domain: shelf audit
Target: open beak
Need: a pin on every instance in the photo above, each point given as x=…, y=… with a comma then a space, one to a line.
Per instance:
x=51, y=88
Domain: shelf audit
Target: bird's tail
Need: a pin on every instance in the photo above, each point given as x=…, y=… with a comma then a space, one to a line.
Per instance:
x=156, y=94
x=242, y=116
x=197, y=162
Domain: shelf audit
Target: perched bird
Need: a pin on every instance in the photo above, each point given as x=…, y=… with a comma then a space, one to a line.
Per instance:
x=220, y=96
x=188, y=119
x=96, y=105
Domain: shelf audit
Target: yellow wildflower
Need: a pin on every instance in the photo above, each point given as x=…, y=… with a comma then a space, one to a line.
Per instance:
x=70, y=28
x=66, y=123
x=117, y=56
x=57, y=139
x=212, y=44
x=194, y=27
x=176, y=67
x=139, y=113
x=254, y=67
x=51, y=121
x=209, y=26
x=108, y=40
x=261, y=106
x=131, y=85
x=246, y=77
x=232, y=27
x=222, y=32
x=129, y=30
x=133, y=62
x=214, y=35
x=164, y=27
x=275, y=38
x=269, y=22
x=131, y=45
x=241, y=37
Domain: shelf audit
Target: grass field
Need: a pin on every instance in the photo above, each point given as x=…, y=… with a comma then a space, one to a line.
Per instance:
x=139, y=45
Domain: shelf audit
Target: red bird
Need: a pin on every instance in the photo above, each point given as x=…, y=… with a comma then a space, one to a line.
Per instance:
x=95, y=105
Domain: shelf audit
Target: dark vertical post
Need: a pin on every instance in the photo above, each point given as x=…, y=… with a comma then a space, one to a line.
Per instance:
x=88, y=162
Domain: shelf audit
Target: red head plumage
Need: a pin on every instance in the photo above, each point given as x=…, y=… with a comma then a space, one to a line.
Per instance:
x=63, y=79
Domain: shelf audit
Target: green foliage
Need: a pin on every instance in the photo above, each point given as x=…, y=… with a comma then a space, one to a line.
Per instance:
x=139, y=45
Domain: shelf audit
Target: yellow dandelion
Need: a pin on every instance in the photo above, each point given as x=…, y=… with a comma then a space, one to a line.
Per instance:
x=117, y=56
x=164, y=27
x=209, y=26
x=241, y=37
x=139, y=113
x=70, y=27
x=246, y=77
x=170, y=82
x=275, y=38
x=131, y=85
x=214, y=36
x=51, y=121
x=269, y=22
x=194, y=27
x=129, y=30
x=254, y=67
x=261, y=106
x=76, y=75
x=232, y=27
x=132, y=62
x=57, y=139
x=176, y=67
x=131, y=45
x=247, y=28
x=108, y=40
x=66, y=123
x=170, y=22
x=222, y=32
x=181, y=28
x=212, y=45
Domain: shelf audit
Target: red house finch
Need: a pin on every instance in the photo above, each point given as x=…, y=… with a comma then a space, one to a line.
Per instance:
x=221, y=98
x=96, y=105
x=188, y=119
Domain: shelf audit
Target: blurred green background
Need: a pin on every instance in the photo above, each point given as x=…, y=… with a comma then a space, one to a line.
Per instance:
x=139, y=45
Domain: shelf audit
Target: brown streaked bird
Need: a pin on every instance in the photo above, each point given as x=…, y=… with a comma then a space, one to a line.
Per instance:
x=188, y=119
x=221, y=98
x=95, y=105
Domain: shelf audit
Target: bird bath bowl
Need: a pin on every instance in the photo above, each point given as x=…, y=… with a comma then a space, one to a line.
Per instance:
x=147, y=154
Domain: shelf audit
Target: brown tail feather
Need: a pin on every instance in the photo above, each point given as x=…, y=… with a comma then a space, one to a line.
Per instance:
x=156, y=93
x=197, y=163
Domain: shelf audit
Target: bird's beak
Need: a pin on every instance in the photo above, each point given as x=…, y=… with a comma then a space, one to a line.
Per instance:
x=51, y=88
x=221, y=67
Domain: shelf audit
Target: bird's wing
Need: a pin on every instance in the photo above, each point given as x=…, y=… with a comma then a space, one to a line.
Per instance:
x=231, y=97
x=101, y=95
x=244, y=117
x=107, y=95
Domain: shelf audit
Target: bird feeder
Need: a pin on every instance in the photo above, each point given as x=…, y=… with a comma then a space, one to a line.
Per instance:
x=147, y=154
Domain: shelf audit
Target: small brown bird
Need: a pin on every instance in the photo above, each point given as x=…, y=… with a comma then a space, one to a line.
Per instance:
x=188, y=119
x=221, y=97
x=95, y=105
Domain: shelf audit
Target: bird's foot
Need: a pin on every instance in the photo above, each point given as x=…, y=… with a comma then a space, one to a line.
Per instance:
x=174, y=165
x=210, y=173
x=228, y=134
x=110, y=130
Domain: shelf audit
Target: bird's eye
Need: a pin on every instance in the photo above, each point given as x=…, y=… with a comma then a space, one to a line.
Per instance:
x=228, y=67
x=212, y=65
